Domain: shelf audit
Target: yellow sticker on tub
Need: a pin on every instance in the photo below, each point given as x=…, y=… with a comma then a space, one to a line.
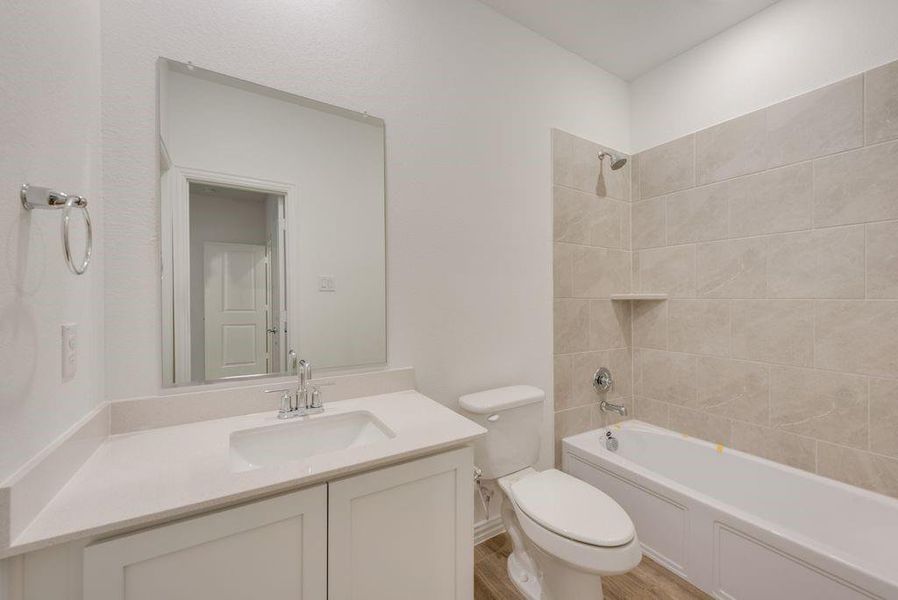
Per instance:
x=719, y=448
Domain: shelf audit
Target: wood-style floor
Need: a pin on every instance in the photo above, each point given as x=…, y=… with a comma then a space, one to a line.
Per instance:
x=648, y=581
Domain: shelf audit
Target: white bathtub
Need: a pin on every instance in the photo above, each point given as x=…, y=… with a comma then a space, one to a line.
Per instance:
x=741, y=527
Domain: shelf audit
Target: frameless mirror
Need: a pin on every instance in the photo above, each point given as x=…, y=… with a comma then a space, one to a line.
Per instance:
x=272, y=230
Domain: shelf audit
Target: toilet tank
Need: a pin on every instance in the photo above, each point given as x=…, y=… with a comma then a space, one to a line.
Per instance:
x=512, y=417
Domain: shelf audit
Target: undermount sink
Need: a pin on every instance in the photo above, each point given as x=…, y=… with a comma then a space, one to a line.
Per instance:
x=286, y=442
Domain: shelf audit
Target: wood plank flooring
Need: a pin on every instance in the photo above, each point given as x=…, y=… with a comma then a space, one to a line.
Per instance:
x=648, y=581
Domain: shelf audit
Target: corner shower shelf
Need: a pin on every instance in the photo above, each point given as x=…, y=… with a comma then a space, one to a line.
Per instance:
x=639, y=296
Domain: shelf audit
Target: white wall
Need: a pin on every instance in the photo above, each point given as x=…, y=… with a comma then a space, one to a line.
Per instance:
x=468, y=98
x=793, y=47
x=335, y=163
x=50, y=136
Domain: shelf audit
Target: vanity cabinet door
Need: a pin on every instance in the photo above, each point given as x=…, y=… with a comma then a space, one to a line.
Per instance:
x=273, y=549
x=403, y=532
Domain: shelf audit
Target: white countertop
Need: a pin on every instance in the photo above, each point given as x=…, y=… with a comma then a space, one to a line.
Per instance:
x=147, y=477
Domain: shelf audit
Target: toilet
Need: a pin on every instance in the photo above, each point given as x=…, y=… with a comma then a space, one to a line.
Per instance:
x=565, y=534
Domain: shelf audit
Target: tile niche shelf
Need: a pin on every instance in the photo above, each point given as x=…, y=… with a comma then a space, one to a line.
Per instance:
x=639, y=296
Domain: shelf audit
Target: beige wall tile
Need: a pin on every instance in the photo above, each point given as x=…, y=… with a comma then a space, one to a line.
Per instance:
x=650, y=325
x=609, y=324
x=772, y=444
x=625, y=227
x=855, y=467
x=635, y=193
x=697, y=215
x=771, y=202
x=605, y=218
x=562, y=382
x=571, y=325
x=620, y=363
x=571, y=422
x=792, y=265
x=857, y=336
x=667, y=376
x=732, y=269
x=820, y=404
x=562, y=270
x=707, y=427
x=599, y=272
x=825, y=263
x=573, y=217
x=778, y=331
x=584, y=365
x=857, y=187
x=815, y=124
x=699, y=326
x=652, y=411
x=585, y=166
x=649, y=223
x=840, y=262
x=882, y=260
x=562, y=159
x=667, y=168
x=736, y=147
x=884, y=416
x=670, y=270
x=733, y=388
x=881, y=111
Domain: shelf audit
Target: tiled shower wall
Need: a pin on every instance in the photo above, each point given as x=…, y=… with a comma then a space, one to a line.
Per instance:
x=592, y=261
x=776, y=237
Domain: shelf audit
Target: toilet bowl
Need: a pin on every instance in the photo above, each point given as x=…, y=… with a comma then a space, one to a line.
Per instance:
x=565, y=536
x=565, y=533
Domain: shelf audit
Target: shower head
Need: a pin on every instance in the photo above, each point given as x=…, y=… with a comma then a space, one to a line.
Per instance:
x=616, y=161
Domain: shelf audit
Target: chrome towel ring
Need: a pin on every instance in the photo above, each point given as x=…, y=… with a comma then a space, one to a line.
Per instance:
x=33, y=197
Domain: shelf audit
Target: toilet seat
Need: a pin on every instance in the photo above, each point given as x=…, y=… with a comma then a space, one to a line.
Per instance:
x=567, y=509
x=573, y=509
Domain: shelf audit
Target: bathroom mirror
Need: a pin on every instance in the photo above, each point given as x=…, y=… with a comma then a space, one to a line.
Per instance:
x=272, y=230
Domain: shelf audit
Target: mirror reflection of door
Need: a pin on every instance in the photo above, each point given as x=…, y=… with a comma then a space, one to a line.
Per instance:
x=236, y=309
x=238, y=295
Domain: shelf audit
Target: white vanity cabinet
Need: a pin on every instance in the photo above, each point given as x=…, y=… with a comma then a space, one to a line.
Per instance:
x=274, y=549
x=403, y=532
x=400, y=533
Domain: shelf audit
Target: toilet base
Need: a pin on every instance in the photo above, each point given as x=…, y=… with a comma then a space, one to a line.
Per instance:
x=526, y=582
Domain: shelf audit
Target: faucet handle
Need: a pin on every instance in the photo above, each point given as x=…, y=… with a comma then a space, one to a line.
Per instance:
x=286, y=402
x=316, y=393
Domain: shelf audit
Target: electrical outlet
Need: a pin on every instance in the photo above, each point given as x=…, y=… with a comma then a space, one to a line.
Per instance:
x=327, y=283
x=69, y=351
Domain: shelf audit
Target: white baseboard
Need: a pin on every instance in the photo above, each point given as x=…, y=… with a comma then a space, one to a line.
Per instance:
x=484, y=530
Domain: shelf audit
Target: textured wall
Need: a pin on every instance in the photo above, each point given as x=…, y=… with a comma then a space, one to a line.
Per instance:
x=50, y=132
x=592, y=261
x=776, y=236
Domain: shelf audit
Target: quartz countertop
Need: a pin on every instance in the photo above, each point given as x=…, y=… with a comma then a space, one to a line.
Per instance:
x=147, y=477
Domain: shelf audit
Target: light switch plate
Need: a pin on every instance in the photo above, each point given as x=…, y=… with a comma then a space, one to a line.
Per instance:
x=327, y=283
x=69, y=351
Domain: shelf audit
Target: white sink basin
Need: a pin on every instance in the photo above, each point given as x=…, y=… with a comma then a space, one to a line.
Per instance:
x=286, y=442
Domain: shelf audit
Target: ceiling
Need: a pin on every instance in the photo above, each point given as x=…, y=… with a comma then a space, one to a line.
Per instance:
x=628, y=37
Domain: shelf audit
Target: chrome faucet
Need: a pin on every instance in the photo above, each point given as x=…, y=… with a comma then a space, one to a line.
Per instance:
x=606, y=406
x=305, y=398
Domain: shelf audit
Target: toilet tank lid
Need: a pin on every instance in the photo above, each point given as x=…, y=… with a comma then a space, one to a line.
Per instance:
x=491, y=401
